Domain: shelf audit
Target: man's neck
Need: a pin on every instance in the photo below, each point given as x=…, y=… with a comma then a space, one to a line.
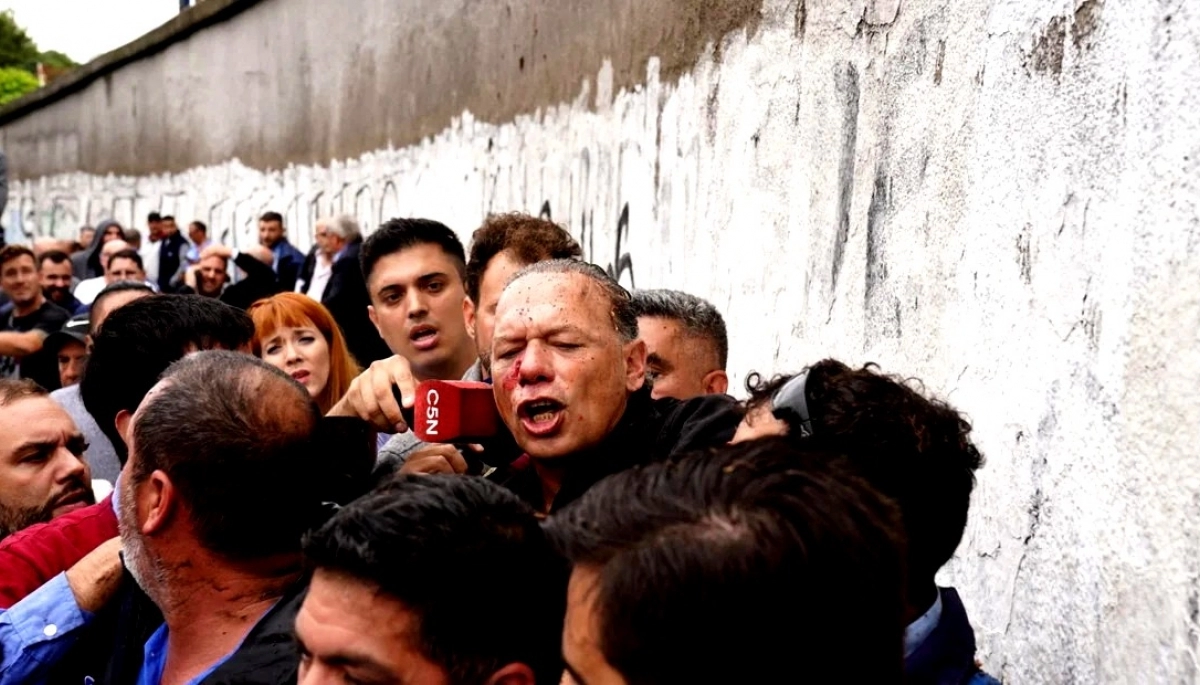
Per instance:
x=27, y=308
x=212, y=616
x=452, y=369
x=550, y=473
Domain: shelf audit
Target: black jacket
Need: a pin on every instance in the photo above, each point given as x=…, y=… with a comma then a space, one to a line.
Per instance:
x=111, y=650
x=260, y=282
x=650, y=430
x=171, y=251
x=947, y=656
x=347, y=300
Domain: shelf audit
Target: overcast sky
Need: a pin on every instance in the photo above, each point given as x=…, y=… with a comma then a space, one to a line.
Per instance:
x=85, y=29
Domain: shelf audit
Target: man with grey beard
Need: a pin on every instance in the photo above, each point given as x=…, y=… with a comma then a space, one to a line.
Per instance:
x=211, y=519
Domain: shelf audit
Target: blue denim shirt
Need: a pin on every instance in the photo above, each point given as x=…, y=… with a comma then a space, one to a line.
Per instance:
x=36, y=632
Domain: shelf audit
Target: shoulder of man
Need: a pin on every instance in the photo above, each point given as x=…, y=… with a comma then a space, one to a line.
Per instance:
x=32, y=556
x=267, y=655
x=697, y=423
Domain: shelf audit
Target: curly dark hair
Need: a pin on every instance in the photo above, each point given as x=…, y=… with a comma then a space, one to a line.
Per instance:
x=913, y=448
x=531, y=238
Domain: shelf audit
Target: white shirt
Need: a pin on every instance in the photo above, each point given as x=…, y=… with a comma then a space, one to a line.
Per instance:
x=320, y=278
x=87, y=290
x=149, y=254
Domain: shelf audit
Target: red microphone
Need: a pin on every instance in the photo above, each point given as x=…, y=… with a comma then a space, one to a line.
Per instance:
x=462, y=413
x=455, y=411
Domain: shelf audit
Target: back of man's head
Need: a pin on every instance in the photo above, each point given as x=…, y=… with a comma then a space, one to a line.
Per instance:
x=138, y=341
x=397, y=235
x=530, y=239
x=912, y=448
x=431, y=544
x=240, y=465
x=113, y=296
x=755, y=563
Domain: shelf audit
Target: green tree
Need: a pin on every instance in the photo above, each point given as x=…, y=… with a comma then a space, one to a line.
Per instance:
x=15, y=82
x=17, y=49
x=57, y=59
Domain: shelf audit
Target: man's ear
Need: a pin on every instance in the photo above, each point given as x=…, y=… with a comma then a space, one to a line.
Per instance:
x=157, y=498
x=374, y=318
x=635, y=365
x=716, y=383
x=469, y=316
x=513, y=674
x=124, y=422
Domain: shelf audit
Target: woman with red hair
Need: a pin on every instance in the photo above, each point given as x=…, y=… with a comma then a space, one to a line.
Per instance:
x=295, y=333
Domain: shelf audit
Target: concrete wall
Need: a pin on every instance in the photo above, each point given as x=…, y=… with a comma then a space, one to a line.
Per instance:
x=999, y=198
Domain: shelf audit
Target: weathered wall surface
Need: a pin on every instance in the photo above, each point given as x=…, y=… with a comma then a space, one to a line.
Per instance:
x=1000, y=198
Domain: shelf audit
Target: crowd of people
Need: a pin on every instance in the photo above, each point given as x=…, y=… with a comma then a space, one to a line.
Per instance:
x=208, y=474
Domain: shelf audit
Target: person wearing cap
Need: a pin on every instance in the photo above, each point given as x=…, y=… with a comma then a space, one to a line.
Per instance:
x=69, y=346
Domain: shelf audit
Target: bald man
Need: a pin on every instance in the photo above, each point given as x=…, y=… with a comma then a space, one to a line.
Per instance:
x=259, y=279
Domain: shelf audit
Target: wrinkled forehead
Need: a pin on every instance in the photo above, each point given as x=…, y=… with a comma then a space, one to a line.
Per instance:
x=552, y=298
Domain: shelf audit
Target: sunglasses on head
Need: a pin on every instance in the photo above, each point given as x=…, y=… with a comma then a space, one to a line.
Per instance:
x=789, y=405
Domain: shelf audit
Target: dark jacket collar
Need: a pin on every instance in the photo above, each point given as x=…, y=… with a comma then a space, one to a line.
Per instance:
x=947, y=656
x=649, y=430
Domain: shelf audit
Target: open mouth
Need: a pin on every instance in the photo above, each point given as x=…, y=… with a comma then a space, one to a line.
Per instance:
x=424, y=337
x=301, y=375
x=542, y=416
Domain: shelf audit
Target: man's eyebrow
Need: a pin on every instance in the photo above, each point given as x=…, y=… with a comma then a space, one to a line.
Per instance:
x=426, y=278
x=351, y=659
x=656, y=360
x=31, y=446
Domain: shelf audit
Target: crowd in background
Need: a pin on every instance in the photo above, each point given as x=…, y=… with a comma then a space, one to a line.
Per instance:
x=209, y=474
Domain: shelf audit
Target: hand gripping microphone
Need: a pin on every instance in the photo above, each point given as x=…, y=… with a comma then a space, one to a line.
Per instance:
x=461, y=413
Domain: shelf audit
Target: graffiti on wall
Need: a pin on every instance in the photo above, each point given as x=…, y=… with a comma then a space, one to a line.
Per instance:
x=231, y=198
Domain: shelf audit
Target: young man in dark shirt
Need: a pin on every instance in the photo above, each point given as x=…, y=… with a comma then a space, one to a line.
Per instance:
x=26, y=320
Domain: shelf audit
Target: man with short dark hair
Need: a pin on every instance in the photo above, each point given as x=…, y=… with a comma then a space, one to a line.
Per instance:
x=502, y=246
x=125, y=265
x=754, y=563
x=102, y=456
x=139, y=340
x=57, y=279
x=686, y=344
x=390, y=599
x=913, y=449
x=414, y=272
x=569, y=382
x=43, y=473
x=153, y=246
x=287, y=260
x=171, y=252
x=26, y=320
x=198, y=237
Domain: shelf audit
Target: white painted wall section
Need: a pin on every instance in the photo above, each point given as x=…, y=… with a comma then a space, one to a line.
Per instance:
x=1000, y=198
